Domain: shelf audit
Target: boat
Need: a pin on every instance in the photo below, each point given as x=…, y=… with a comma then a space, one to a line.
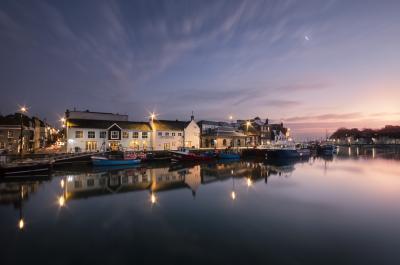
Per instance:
x=228, y=154
x=116, y=159
x=303, y=150
x=282, y=150
x=25, y=167
x=184, y=154
x=326, y=149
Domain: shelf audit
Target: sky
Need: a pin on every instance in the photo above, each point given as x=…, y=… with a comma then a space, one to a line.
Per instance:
x=315, y=65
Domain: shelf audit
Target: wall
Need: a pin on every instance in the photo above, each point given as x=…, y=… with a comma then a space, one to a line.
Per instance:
x=192, y=135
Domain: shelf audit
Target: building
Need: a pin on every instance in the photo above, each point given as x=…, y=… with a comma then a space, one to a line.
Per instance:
x=102, y=135
x=273, y=132
x=222, y=137
x=170, y=135
x=94, y=131
x=36, y=134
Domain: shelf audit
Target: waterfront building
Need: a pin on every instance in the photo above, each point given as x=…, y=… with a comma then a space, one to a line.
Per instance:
x=222, y=137
x=99, y=131
x=272, y=132
x=170, y=135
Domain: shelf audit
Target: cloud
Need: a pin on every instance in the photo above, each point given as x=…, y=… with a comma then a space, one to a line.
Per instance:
x=323, y=117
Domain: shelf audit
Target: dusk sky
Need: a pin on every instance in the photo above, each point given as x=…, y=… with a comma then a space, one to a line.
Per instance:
x=315, y=65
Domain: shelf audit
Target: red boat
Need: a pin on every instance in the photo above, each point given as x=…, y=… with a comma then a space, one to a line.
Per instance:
x=184, y=154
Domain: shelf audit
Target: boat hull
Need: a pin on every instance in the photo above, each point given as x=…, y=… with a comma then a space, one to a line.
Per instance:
x=110, y=162
x=281, y=154
x=228, y=156
x=25, y=169
x=176, y=156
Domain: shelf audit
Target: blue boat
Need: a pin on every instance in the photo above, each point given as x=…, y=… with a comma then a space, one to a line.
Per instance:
x=224, y=155
x=282, y=150
x=116, y=160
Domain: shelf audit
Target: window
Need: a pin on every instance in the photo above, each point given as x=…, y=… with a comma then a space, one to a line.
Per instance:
x=91, y=134
x=224, y=142
x=10, y=134
x=2, y=145
x=144, y=135
x=238, y=142
x=173, y=134
x=125, y=134
x=103, y=134
x=135, y=135
x=167, y=134
x=179, y=134
x=78, y=184
x=90, y=182
x=159, y=133
x=114, y=134
x=91, y=146
x=79, y=134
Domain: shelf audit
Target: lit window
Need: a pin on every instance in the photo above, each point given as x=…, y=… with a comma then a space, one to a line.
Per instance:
x=10, y=134
x=144, y=135
x=103, y=134
x=135, y=135
x=79, y=134
x=91, y=134
x=125, y=134
x=114, y=134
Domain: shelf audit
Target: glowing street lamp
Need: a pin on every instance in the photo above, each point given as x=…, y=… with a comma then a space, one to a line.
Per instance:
x=22, y=110
x=21, y=224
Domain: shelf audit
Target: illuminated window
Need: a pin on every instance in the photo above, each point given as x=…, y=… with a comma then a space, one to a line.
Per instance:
x=79, y=134
x=135, y=135
x=114, y=134
x=144, y=135
x=10, y=134
x=91, y=134
x=103, y=134
x=125, y=134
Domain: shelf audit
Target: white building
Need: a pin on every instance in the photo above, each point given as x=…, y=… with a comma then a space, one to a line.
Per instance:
x=94, y=131
x=170, y=135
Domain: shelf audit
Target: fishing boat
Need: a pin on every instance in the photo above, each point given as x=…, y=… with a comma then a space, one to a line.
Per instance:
x=25, y=167
x=326, y=149
x=282, y=150
x=184, y=154
x=228, y=154
x=303, y=150
x=117, y=159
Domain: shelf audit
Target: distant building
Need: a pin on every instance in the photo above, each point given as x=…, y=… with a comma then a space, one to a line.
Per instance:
x=273, y=132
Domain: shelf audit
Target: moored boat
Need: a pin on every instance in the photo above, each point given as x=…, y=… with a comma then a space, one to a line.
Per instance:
x=282, y=150
x=228, y=155
x=184, y=154
x=25, y=167
x=326, y=149
x=125, y=158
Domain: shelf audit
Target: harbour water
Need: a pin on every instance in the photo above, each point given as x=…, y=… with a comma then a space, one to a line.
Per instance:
x=326, y=210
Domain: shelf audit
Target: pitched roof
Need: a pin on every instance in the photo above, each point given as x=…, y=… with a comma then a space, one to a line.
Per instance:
x=101, y=124
x=166, y=125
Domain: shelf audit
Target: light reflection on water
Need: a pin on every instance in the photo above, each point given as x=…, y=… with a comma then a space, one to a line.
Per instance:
x=326, y=210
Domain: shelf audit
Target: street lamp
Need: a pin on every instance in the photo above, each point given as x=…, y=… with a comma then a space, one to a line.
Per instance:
x=22, y=110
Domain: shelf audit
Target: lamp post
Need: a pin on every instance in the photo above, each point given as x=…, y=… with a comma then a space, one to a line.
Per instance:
x=22, y=110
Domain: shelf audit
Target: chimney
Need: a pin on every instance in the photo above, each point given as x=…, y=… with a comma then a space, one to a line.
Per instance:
x=192, y=117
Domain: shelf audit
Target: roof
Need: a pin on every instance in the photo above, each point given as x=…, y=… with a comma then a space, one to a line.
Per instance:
x=101, y=124
x=166, y=125
x=224, y=132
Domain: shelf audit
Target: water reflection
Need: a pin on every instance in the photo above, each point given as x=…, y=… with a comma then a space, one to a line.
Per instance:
x=342, y=197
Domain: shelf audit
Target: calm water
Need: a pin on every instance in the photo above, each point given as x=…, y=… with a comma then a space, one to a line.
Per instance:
x=340, y=210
